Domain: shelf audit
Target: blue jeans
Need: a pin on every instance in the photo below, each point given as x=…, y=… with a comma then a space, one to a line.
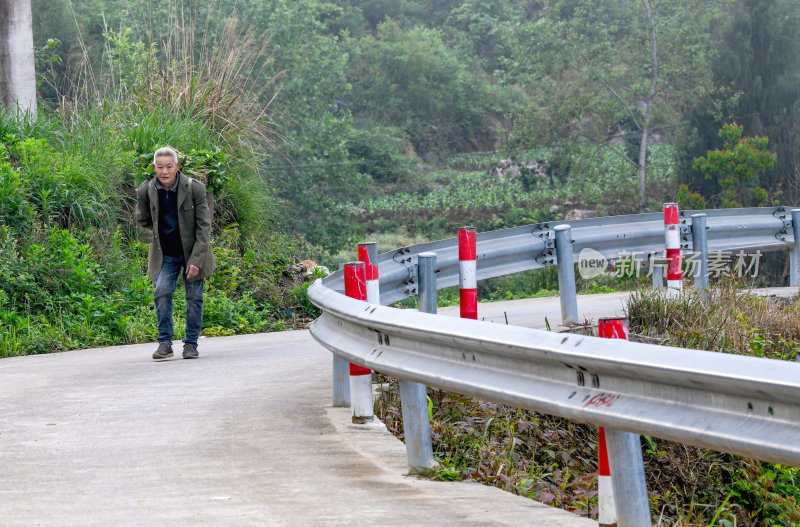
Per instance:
x=162, y=296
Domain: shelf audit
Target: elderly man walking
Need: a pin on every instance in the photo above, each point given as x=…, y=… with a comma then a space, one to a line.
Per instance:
x=175, y=207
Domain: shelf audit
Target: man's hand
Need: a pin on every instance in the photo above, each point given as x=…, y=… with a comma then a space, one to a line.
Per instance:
x=191, y=271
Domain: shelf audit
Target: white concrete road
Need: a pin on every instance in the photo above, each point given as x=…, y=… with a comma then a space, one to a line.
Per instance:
x=243, y=436
x=539, y=312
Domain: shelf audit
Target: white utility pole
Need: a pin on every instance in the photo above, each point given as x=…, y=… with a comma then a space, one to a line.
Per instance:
x=17, y=72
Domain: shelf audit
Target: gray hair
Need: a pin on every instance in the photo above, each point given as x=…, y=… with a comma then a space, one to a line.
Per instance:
x=165, y=151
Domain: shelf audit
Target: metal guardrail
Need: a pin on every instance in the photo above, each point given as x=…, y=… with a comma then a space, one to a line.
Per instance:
x=528, y=247
x=741, y=405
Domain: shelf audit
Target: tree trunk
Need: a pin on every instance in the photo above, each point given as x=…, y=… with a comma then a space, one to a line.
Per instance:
x=648, y=112
x=643, y=168
x=210, y=201
x=17, y=73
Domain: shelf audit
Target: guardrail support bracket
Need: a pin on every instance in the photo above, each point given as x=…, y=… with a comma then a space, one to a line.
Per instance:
x=700, y=246
x=566, y=275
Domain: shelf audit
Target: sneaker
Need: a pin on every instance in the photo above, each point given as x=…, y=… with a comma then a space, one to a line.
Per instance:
x=164, y=351
x=190, y=351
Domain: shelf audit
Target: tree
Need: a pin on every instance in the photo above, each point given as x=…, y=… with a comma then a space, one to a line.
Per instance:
x=476, y=24
x=17, y=72
x=311, y=169
x=412, y=80
x=611, y=74
x=758, y=72
x=738, y=164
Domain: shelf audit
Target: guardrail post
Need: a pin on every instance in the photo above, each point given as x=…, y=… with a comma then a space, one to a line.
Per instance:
x=606, y=508
x=341, y=379
x=794, y=256
x=700, y=246
x=341, y=382
x=414, y=395
x=627, y=495
x=630, y=487
x=566, y=275
x=468, y=273
x=428, y=297
x=672, y=236
x=355, y=286
x=368, y=253
x=609, y=328
x=657, y=271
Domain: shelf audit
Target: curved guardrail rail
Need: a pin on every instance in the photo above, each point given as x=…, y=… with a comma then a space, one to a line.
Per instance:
x=742, y=405
x=528, y=247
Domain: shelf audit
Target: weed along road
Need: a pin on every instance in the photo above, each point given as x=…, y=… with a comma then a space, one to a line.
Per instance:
x=243, y=436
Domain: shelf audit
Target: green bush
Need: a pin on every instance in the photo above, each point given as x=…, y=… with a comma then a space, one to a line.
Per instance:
x=379, y=153
x=71, y=260
x=15, y=209
x=412, y=80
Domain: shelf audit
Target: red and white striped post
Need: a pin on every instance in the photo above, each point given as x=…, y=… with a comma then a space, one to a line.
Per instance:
x=606, y=508
x=355, y=286
x=609, y=328
x=367, y=252
x=468, y=273
x=672, y=236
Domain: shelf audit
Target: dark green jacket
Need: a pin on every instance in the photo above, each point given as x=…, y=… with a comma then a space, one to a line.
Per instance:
x=194, y=223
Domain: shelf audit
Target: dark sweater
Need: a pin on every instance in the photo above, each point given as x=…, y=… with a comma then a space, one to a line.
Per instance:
x=169, y=234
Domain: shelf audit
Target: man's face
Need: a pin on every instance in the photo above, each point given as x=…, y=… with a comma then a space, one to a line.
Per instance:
x=166, y=170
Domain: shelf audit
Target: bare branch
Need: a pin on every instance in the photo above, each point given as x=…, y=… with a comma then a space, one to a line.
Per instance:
x=610, y=89
x=623, y=155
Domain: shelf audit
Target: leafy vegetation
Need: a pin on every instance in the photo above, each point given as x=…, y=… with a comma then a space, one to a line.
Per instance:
x=612, y=76
x=410, y=79
x=738, y=165
x=533, y=455
x=449, y=198
x=744, y=323
x=373, y=98
x=755, y=78
x=72, y=265
x=745, y=491
x=72, y=262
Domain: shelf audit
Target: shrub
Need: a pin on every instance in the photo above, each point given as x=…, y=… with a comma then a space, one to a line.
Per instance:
x=379, y=153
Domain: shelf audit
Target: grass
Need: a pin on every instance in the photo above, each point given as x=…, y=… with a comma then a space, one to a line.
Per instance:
x=731, y=321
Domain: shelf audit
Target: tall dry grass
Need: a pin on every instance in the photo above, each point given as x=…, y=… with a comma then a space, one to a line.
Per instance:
x=732, y=320
x=209, y=67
